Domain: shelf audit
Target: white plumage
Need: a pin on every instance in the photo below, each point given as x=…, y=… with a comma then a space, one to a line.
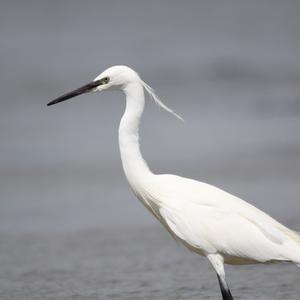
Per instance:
x=207, y=220
x=212, y=221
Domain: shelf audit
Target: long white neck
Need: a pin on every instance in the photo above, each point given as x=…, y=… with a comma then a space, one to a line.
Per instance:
x=135, y=167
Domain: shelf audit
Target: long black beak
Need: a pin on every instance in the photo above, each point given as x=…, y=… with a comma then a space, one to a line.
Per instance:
x=82, y=90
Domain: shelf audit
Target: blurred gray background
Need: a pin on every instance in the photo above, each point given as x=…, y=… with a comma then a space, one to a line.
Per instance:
x=70, y=228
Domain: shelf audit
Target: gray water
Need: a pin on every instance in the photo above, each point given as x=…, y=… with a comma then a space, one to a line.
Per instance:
x=70, y=227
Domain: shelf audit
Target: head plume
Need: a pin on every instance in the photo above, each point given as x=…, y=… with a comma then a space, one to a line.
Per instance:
x=152, y=94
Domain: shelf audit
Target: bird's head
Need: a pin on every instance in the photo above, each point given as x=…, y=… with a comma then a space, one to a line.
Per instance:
x=116, y=77
x=113, y=78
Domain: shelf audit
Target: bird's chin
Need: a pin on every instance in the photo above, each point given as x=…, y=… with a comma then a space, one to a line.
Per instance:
x=98, y=89
x=102, y=88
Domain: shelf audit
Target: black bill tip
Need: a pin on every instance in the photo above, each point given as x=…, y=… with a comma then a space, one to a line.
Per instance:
x=54, y=101
x=82, y=90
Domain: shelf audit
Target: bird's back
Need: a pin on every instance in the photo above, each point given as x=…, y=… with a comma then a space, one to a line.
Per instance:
x=209, y=220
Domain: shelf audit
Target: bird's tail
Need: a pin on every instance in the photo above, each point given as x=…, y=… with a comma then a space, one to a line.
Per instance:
x=294, y=235
x=291, y=246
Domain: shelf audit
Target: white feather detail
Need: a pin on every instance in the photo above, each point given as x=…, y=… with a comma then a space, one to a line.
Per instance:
x=151, y=92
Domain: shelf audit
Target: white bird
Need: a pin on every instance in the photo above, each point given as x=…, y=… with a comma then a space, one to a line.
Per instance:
x=207, y=220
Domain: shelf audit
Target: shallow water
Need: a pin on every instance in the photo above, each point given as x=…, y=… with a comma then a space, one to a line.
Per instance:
x=142, y=263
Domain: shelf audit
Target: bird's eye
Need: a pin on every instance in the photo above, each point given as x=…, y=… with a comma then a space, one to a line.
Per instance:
x=105, y=80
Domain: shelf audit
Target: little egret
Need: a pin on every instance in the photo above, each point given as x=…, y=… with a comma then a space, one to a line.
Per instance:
x=207, y=220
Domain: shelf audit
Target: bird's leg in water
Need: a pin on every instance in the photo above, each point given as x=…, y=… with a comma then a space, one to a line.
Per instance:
x=217, y=262
x=226, y=294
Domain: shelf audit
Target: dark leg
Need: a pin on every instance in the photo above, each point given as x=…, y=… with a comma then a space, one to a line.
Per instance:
x=217, y=262
x=226, y=294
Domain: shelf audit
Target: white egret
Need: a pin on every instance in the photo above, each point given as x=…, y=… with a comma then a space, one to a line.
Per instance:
x=207, y=220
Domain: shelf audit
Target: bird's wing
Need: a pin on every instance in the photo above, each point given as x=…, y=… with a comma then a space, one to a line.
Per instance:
x=217, y=231
x=215, y=221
